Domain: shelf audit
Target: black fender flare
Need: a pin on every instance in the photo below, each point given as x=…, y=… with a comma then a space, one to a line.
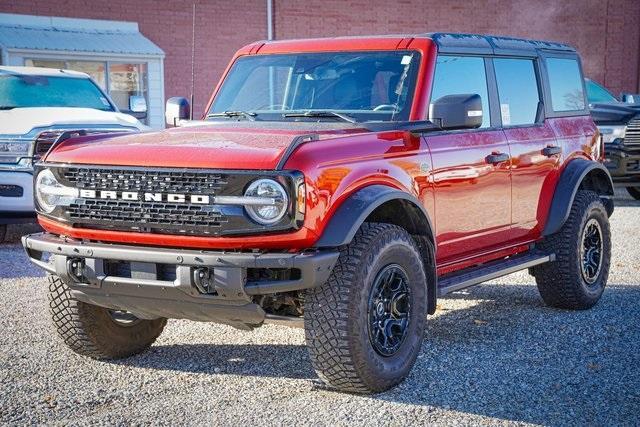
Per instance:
x=572, y=178
x=354, y=211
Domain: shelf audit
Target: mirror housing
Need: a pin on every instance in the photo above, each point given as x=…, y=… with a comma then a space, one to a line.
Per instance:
x=137, y=107
x=177, y=109
x=630, y=98
x=461, y=111
x=137, y=104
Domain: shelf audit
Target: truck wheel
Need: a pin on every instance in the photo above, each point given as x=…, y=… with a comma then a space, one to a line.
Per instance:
x=3, y=232
x=98, y=332
x=634, y=192
x=364, y=326
x=578, y=276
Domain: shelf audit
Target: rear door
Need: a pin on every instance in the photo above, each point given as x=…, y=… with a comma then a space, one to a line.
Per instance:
x=535, y=154
x=470, y=170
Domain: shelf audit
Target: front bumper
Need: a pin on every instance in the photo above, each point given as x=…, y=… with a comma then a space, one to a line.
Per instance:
x=158, y=282
x=623, y=164
x=16, y=206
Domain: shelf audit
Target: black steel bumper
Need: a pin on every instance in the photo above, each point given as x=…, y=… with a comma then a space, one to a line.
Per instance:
x=623, y=164
x=158, y=282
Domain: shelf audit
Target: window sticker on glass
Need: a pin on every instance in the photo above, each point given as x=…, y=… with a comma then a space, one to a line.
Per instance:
x=505, y=112
x=406, y=59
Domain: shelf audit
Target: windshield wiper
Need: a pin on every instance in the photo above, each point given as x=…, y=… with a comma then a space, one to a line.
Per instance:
x=248, y=115
x=330, y=114
x=7, y=107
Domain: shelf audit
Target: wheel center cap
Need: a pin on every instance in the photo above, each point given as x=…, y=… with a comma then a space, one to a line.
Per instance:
x=380, y=308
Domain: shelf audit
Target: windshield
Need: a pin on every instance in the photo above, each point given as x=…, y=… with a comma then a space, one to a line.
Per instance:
x=596, y=93
x=20, y=91
x=363, y=86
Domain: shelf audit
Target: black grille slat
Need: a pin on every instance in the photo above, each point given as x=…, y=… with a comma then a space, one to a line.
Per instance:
x=146, y=180
x=151, y=213
x=632, y=134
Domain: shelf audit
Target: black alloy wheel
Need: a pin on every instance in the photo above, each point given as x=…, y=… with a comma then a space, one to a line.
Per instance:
x=389, y=310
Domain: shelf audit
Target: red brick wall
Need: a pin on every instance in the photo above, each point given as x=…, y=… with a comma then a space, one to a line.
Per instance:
x=221, y=28
x=612, y=60
x=606, y=32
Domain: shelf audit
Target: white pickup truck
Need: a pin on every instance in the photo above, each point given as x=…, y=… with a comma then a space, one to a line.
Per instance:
x=38, y=107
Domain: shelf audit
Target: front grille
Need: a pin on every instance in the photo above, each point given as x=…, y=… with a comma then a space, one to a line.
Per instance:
x=146, y=180
x=150, y=205
x=143, y=216
x=632, y=135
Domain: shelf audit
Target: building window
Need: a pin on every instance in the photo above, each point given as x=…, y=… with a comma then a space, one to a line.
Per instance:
x=97, y=71
x=120, y=80
x=125, y=81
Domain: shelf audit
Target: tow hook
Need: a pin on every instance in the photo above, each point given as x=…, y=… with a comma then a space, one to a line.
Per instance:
x=203, y=280
x=75, y=267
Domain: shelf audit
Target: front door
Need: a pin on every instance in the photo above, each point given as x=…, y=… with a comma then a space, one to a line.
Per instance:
x=470, y=170
x=472, y=187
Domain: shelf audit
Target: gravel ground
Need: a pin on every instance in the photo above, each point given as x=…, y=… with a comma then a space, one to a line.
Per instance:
x=493, y=355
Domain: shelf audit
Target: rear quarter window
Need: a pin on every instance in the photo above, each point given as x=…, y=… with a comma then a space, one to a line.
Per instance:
x=565, y=84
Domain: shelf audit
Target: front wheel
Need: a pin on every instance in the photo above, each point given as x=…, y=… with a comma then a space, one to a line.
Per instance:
x=364, y=326
x=634, y=192
x=99, y=332
x=578, y=276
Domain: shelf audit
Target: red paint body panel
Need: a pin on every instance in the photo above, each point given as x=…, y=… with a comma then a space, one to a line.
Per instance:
x=480, y=211
x=473, y=197
x=533, y=176
x=208, y=147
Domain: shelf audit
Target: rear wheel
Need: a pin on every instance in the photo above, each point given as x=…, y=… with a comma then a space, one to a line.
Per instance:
x=634, y=192
x=99, y=332
x=364, y=326
x=578, y=276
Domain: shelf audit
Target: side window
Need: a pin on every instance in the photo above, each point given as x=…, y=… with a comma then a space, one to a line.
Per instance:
x=461, y=74
x=517, y=90
x=565, y=83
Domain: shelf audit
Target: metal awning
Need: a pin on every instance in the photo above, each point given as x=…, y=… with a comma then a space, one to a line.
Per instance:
x=118, y=40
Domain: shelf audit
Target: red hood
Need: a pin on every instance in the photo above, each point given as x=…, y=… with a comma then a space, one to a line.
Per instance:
x=210, y=146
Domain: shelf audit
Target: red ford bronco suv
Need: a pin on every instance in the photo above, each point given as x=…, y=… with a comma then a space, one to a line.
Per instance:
x=343, y=184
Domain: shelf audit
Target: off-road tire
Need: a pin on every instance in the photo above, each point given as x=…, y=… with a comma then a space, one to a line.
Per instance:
x=634, y=192
x=3, y=232
x=561, y=282
x=90, y=330
x=336, y=314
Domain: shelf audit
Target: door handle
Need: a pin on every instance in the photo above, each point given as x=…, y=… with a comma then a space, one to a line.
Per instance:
x=551, y=150
x=495, y=158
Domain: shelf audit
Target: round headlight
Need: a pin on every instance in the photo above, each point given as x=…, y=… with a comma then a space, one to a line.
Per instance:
x=270, y=201
x=50, y=193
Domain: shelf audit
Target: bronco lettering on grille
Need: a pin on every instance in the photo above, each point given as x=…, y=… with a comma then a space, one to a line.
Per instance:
x=200, y=199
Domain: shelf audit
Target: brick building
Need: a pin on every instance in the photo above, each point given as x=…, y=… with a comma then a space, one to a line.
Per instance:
x=605, y=32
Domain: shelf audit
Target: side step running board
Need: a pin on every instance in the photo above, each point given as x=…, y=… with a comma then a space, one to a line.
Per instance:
x=476, y=275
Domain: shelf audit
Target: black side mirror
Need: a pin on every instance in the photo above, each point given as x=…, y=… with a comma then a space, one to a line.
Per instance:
x=463, y=111
x=177, y=109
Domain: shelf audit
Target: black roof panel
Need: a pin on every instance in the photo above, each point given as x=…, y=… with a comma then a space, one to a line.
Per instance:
x=483, y=44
